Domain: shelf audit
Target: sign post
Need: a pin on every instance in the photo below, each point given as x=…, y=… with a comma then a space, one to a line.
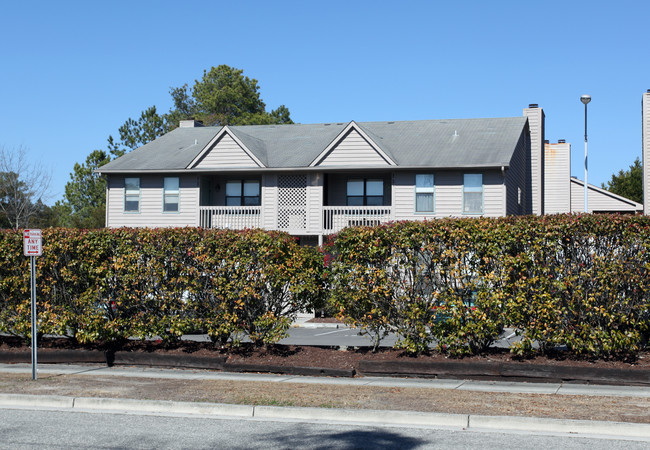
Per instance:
x=33, y=247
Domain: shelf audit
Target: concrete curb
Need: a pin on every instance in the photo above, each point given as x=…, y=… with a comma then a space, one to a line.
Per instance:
x=534, y=424
x=39, y=401
x=161, y=406
x=378, y=417
x=363, y=416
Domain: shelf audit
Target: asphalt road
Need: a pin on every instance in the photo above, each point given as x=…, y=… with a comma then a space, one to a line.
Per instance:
x=346, y=337
x=27, y=429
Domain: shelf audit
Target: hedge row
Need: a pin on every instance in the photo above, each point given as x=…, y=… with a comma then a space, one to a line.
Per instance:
x=109, y=285
x=577, y=281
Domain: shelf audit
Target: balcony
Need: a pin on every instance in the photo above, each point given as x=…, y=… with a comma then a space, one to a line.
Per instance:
x=335, y=218
x=231, y=217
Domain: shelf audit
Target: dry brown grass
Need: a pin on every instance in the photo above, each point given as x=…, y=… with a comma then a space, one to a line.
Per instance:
x=623, y=409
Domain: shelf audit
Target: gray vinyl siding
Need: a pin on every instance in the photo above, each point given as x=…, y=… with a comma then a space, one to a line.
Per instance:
x=536, y=125
x=353, y=150
x=645, y=117
x=599, y=201
x=151, y=203
x=515, y=182
x=404, y=196
x=557, y=178
x=493, y=194
x=226, y=153
x=448, y=195
x=314, y=202
x=270, y=201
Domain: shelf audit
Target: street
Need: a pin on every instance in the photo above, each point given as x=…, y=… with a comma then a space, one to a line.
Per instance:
x=346, y=337
x=27, y=429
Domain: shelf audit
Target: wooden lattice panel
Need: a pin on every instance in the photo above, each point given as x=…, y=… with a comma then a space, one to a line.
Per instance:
x=292, y=202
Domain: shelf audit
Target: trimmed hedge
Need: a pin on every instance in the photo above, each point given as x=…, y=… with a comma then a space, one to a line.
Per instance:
x=575, y=281
x=112, y=284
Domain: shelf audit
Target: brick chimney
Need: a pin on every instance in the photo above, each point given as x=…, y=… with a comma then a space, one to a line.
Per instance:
x=191, y=123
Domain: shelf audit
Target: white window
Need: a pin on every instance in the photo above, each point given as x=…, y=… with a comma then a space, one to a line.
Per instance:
x=424, y=192
x=365, y=192
x=132, y=194
x=473, y=193
x=171, y=192
x=243, y=193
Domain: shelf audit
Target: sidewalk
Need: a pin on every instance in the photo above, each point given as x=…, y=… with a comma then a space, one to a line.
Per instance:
x=170, y=387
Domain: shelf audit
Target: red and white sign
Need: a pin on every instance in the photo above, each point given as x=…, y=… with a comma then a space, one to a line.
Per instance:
x=32, y=242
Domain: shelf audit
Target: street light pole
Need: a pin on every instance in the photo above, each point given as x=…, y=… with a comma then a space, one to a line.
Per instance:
x=586, y=99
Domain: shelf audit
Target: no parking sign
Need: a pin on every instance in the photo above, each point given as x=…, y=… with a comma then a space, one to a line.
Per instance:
x=32, y=247
x=32, y=242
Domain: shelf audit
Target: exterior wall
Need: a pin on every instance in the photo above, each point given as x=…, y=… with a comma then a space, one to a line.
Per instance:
x=557, y=178
x=403, y=192
x=494, y=194
x=151, y=203
x=269, y=201
x=226, y=153
x=314, y=202
x=399, y=186
x=448, y=195
x=536, y=191
x=353, y=151
x=515, y=183
x=599, y=200
x=645, y=118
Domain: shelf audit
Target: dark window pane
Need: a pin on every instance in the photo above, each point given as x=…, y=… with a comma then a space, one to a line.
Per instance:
x=233, y=201
x=233, y=188
x=355, y=187
x=375, y=187
x=251, y=201
x=355, y=201
x=131, y=205
x=376, y=200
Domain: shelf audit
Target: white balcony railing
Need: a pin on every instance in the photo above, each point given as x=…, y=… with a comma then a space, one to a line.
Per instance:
x=232, y=217
x=335, y=218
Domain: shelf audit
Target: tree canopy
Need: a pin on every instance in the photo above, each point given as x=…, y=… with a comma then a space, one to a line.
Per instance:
x=85, y=194
x=223, y=96
x=628, y=183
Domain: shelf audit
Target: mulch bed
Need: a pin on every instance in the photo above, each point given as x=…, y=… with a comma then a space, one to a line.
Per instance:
x=308, y=360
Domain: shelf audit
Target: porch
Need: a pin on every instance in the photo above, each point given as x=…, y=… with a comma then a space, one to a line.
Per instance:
x=298, y=203
x=333, y=218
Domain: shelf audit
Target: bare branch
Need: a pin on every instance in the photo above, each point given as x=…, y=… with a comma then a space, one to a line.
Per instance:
x=22, y=185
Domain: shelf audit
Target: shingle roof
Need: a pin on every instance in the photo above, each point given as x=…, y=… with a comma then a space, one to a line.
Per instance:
x=423, y=143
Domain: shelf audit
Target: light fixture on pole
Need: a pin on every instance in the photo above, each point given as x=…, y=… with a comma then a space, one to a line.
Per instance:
x=586, y=99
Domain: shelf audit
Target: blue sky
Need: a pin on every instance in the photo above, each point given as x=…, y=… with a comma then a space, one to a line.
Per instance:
x=73, y=72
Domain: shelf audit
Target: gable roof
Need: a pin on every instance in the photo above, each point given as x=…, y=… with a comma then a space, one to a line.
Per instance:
x=243, y=148
x=454, y=143
x=603, y=199
x=322, y=157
